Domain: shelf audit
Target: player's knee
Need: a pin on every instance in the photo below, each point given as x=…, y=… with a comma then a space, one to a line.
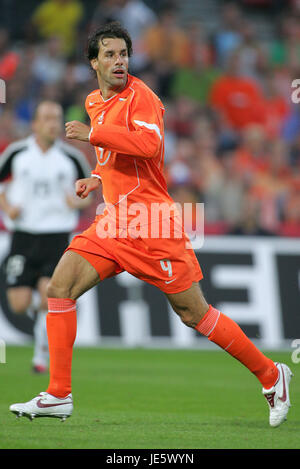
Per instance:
x=189, y=317
x=58, y=290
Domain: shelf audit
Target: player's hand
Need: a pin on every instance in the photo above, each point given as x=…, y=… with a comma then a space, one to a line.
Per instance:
x=13, y=212
x=77, y=130
x=84, y=186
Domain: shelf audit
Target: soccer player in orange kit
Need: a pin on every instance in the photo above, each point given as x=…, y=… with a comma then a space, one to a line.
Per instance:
x=128, y=135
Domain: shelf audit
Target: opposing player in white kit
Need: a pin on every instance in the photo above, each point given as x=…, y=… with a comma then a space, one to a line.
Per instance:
x=37, y=176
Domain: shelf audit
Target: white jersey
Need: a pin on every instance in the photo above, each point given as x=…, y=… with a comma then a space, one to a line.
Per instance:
x=39, y=182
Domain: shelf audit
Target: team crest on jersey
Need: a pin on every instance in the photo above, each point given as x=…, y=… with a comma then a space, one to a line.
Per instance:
x=101, y=117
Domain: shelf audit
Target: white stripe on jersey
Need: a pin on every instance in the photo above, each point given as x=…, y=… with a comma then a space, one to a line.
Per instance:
x=150, y=127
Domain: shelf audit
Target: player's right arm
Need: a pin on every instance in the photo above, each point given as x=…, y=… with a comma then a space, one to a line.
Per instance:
x=6, y=163
x=11, y=211
x=84, y=186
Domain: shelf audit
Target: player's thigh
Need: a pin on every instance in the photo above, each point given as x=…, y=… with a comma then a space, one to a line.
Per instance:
x=189, y=304
x=19, y=298
x=72, y=276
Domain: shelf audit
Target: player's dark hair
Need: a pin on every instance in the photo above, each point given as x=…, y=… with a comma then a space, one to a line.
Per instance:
x=109, y=30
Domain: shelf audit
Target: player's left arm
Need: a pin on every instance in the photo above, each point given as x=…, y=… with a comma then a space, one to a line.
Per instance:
x=142, y=138
x=143, y=135
x=11, y=211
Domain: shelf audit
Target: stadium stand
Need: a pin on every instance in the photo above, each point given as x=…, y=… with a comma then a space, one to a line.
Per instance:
x=224, y=71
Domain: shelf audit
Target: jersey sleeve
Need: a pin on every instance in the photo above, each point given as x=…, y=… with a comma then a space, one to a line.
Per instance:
x=7, y=158
x=142, y=137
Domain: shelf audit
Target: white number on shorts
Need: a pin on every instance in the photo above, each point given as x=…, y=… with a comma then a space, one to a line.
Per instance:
x=167, y=267
x=15, y=265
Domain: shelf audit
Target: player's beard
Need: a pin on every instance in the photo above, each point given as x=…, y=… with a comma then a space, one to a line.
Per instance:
x=108, y=81
x=118, y=83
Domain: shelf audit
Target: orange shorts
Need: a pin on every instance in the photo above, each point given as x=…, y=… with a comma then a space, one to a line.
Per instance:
x=166, y=263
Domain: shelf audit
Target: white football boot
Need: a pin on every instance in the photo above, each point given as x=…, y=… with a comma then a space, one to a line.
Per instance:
x=278, y=396
x=45, y=405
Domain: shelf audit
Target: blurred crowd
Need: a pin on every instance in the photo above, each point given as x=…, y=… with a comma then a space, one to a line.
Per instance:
x=232, y=130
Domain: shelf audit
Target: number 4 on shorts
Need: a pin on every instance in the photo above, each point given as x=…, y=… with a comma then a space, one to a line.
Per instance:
x=166, y=267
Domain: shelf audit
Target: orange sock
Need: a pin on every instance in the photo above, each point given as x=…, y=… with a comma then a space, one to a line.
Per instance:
x=61, y=330
x=224, y=332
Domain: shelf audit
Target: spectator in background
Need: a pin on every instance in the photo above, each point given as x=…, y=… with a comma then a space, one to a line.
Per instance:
x=22, y=92
x=135, y=16
x=199, y=48
x=105, y=12
x=195, y=79
x=171, y=138
x=59, y=18
x=165, y=41
x=249, y=224
x=74, y=110
x=76, y=81
x=252, y=153
x=228, y=35
x=238, y=98
x=271, y=185
x=9, y=59
x=206, y=167
x=290, y=225
x=249, y=112
x=49, y=64
x=230, y=191
x=252, y=56
x=277, y=107
x=183, y=119
x=285, y=46
x=294, y=152
x=166, y=46
x=179, y=169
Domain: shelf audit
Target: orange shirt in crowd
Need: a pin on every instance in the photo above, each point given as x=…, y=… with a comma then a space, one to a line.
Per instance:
x=239, y=100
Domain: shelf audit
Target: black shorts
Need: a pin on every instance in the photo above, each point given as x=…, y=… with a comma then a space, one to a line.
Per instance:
x=33, y=256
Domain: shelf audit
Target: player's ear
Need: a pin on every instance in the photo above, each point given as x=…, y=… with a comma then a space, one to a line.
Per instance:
x=94, y=64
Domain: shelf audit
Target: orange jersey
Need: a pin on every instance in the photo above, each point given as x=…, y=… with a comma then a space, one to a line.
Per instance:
x=127, y=131
x=128, y=134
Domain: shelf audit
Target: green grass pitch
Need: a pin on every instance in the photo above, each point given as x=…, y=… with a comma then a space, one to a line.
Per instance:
x=152, y=399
